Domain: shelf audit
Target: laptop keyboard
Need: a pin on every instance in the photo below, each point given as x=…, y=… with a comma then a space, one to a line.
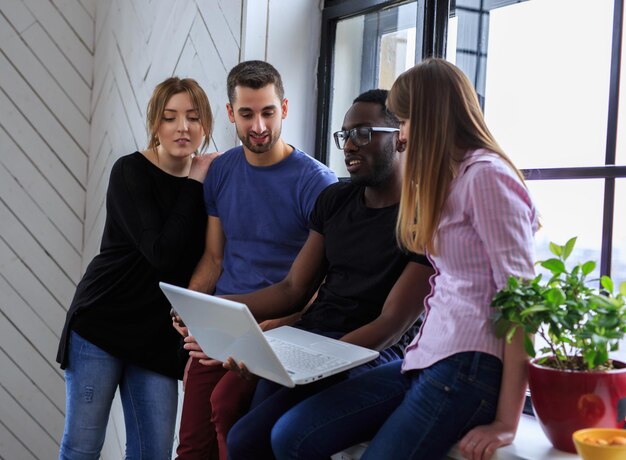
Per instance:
x=299, y=358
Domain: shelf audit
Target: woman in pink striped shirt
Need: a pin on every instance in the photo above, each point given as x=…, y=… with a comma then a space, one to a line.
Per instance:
x=465, y=205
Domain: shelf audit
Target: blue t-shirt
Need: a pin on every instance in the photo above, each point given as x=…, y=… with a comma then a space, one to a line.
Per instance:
x=264, y=212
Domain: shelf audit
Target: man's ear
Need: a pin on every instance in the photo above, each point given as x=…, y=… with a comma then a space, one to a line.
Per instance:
x=284, y=108
x=231, y=114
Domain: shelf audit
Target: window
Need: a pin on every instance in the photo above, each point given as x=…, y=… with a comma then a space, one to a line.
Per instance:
x=547, y=73
x=370, y=51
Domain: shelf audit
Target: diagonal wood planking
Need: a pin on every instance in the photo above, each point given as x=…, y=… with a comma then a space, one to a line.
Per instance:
x=46, y=62
x=76, y=77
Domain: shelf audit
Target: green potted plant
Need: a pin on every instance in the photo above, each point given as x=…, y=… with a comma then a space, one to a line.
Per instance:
x=573, y=382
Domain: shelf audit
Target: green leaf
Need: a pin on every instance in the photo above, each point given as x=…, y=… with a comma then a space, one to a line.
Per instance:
x=534, y=309
x=567, y=249
x=511, y=333
x=588, y=267
x=501, y=327
x=556, y=266
x=602, y=301
x=555, y=296
x=607, y=283
x=555, y=249
x=622, y=288
x=589, y=356
x=529, y=346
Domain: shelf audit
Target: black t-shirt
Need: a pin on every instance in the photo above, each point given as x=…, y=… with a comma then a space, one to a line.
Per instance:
x=363, y=258
x=154, y=231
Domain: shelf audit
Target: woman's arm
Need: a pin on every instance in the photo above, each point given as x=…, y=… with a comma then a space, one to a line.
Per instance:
x=481, y=442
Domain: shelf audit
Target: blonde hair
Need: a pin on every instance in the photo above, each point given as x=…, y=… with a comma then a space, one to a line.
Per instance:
x=163, y=92
x=444, y=117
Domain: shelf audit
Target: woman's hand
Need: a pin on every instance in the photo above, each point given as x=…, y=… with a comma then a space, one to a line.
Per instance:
x=196, y=352
x=200, y=165
x=481, y=442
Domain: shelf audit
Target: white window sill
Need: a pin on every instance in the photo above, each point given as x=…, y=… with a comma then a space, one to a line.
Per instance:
x=530, y=444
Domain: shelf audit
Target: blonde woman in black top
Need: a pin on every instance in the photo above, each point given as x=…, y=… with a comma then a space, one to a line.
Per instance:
x=118, y=332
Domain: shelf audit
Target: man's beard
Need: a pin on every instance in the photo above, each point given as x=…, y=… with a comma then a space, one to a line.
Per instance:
x=259, y=148
x=381, y=169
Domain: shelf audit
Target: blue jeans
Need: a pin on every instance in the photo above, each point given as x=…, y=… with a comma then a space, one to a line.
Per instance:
x=417, y=415
x=149, y=402
x=250, y=437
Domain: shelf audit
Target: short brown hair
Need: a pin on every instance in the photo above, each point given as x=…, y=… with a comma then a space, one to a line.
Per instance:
x=163, y=92
x=255, y=75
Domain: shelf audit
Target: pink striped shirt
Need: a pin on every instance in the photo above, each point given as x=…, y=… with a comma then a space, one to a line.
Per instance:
x=485, y=235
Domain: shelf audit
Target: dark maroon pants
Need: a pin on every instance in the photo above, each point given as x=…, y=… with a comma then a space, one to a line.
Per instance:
x=214, y=400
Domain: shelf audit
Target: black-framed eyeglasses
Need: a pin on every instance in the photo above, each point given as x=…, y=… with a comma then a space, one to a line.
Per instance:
x=359, y=136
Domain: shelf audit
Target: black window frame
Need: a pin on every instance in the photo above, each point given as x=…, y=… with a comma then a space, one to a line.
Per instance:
x=432, y=19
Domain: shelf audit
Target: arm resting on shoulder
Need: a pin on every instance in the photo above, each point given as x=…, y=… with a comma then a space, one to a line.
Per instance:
x=402, y=307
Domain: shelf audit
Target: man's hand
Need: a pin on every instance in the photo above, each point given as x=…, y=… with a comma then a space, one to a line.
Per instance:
x=178, y=324
x=240, y=369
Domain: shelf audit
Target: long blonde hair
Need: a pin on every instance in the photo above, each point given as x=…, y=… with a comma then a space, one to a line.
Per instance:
x=163, y=92
x=444, y=118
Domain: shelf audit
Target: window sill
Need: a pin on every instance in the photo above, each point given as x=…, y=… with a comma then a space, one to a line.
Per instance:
x=530, y=444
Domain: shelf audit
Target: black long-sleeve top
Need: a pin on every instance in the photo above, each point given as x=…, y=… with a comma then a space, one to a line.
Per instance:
x=154, y=231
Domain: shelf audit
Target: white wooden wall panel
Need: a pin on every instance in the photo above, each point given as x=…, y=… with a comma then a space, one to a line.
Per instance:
x=40, y=227
x=40, y=444
x=60, y=31
x=58, y=65
x=78, y=19
x=22, y=280
x=90, y=7
x=28, y=396
x=17, y=14
x=39, y=189
x=11, y=445
x=18, y=238
x=46, y=62
x=31, y=360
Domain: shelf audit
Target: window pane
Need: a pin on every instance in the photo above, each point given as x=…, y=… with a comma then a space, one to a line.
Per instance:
x=542, y=67
x=371, y=50
x=397, y=53
x=570, y=208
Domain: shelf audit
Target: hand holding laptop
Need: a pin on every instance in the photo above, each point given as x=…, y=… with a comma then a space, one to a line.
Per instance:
x=240, y=369
x=196, y=352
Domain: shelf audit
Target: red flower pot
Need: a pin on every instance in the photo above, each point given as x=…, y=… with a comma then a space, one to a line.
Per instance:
x=566, y=401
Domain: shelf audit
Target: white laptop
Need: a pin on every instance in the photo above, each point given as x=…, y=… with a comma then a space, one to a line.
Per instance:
x=285, y=355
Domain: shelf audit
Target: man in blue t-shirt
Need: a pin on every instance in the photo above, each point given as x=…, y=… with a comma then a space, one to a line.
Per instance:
x=258, y=198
